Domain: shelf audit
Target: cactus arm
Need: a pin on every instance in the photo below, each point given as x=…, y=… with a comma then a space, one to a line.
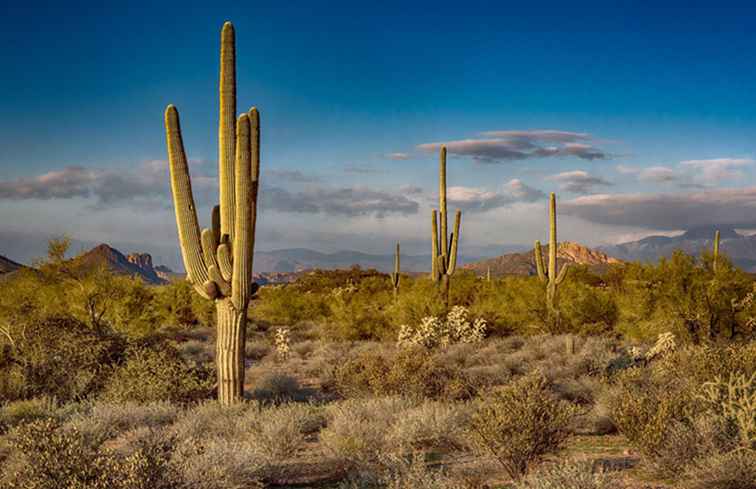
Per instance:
x=452, y=259
x=242, y=275
x=254, y=118
x=444, y=246
x=226, y=128
x=225, y=262
x=538, y=254
x=183, y=200
x=562, y=273
x=223, y=286
x=215, y=218
x=552, y=237
x=435, y=272
x=209, y=246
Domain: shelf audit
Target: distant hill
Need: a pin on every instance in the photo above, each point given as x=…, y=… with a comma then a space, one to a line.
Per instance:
x=299, y=259
x=7, y=265
x=135, y=264
x=524, y=263
x=741, y=249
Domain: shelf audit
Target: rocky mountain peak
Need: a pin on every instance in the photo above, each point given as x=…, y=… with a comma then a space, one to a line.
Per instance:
x=142, y=260
x=577, y=253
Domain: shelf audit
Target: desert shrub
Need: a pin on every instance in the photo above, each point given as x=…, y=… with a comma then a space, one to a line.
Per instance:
x=265, y=437
x=731, y=470
x=644, y=410
x=434, y=425
x=177, y=306
x=45, y=455
x=412, y=372
x=289, y=305
x=356, y=429
x=215, y=463
x=58, y=357
x=100, y=421
x=158, y=373
x=569, y=475
x=357, y=311
x=437, y=332
x=520, y=423
x=525, y=310
x=586, y=309
x=24, y=411
x=418, y=298
x=677, y=414
x=277, y=387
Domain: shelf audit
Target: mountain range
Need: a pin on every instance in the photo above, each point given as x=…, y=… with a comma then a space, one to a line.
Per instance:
x=524, y=263
x=741, y=249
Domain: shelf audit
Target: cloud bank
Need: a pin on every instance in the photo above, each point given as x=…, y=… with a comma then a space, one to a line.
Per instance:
x=668, y=211
x=502, y=146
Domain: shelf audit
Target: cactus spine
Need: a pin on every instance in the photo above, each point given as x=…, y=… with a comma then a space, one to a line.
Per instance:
x=551, y=278
x=716, y=251
x=219, y=260
x=444, y=253
x=395, y=275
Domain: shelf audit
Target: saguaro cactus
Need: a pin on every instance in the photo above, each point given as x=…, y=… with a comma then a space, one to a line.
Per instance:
x=218, y=261
x=716, y=251
x=444, y=253
x=396, y=275
x=551, y=278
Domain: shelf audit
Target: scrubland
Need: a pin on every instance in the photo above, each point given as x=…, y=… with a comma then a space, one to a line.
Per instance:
x=644, y=380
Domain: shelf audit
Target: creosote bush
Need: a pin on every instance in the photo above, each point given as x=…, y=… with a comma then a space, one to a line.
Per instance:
x=520, y=423
x=159, y=374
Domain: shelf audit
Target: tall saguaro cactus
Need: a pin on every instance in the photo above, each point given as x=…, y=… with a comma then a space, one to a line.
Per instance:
x=716, y=251
x=551, y=278
x=218, y=260
x=444, y=253
x=395, y=276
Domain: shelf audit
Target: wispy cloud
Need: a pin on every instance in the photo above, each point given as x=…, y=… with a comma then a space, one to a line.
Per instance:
x=398, y=156
x=295, y=176
x=578, y=181
x=479, y=199
x=346, y=202
x=106, y=186
x=715, y=170
x=361, y=169
x=498, y=146
x=668, y=211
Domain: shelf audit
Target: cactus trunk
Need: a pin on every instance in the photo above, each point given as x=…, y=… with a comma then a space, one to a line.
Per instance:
x=716, y=251
x=395, y=276
x=444, y=252
x=219, y=260
x=551, y=277
x=229, y=351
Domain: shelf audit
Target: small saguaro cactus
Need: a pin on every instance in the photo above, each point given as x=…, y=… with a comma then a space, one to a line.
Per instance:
x=551, y=278
x=218, y=260
x=488, y=274
x=444, y=253
x=395, y=275
x=716, y=251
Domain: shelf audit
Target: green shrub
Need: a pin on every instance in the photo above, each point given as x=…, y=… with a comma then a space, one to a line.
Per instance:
x=158, y=373
x=412, y=372
x=58, y=357
x=520, y=423
x=731, y=470
x=24, y=411
x=288, y=305
x=569, y=475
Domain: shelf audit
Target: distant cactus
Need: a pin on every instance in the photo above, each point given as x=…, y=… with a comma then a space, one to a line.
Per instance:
x=488, y=274
x=716, y=251
x=218, y=261
x=551, y=278
x=444, y=246
x=395, y=276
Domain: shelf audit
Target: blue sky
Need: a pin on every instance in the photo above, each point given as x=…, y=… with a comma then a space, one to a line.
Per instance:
x=650, y=110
